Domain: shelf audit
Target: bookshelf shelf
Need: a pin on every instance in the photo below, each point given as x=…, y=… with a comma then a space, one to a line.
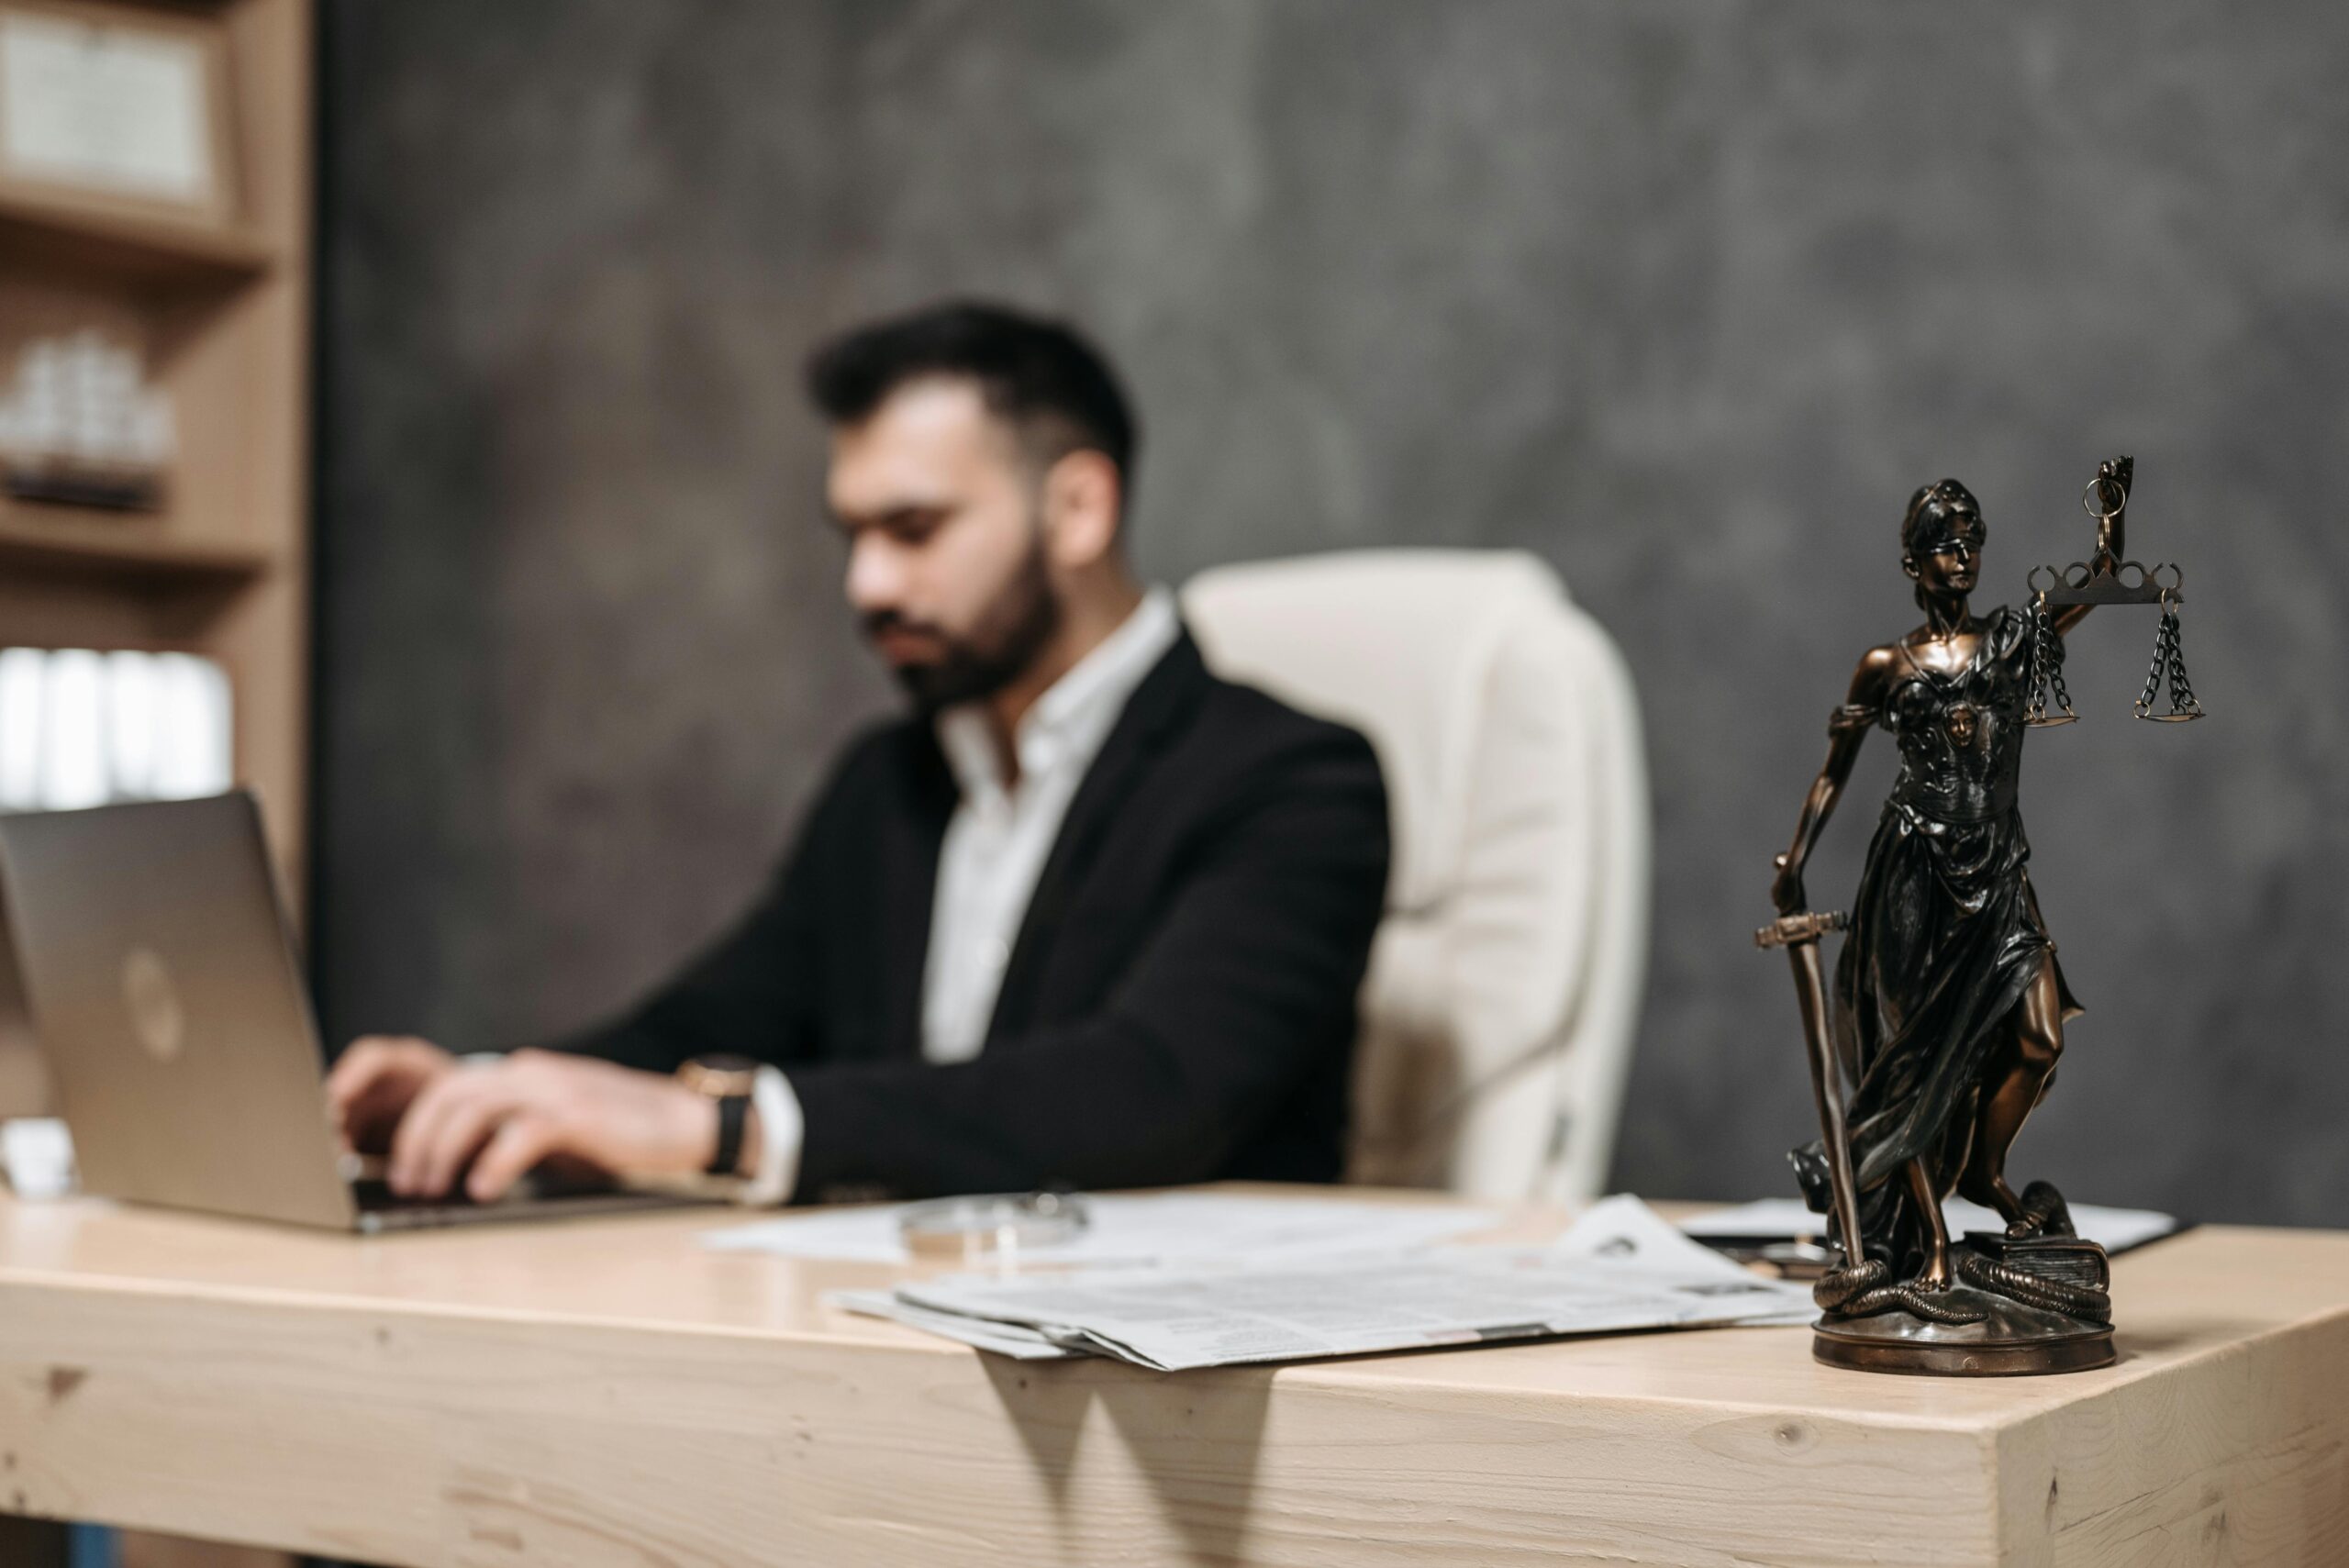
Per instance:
x=133, y=552
x=38, y=225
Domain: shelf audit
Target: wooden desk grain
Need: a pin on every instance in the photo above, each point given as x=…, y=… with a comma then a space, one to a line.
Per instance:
x=608, y=1393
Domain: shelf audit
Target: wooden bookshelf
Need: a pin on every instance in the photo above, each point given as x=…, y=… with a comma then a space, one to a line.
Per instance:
x=218, y=300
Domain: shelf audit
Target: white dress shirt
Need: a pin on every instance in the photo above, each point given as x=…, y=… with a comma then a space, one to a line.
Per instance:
x=996, y=845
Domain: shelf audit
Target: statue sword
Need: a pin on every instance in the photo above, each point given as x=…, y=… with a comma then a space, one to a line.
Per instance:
x=1799, y=934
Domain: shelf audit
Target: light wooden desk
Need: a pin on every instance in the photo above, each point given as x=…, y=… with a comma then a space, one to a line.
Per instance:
x=607, y=1393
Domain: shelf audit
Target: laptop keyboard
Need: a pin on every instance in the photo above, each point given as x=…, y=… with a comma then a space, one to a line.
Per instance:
x=376, y=1195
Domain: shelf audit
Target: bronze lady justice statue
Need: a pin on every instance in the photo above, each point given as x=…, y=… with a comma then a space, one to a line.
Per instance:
x=1949, y=1002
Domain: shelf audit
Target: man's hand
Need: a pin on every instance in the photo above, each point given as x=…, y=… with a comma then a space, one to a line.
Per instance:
x=505, y=1116
x=375, y=1080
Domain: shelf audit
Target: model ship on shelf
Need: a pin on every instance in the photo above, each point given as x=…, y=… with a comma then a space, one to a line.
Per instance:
x=80, y=427
x=1949, y=1009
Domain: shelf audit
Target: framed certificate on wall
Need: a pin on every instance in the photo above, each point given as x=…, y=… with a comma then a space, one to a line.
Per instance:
x=124, y=105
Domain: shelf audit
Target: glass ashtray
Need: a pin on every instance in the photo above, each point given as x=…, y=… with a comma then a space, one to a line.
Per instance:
x=995, y=1231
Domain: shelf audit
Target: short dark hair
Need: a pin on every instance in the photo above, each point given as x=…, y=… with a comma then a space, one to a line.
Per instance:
x=1039, y=375
x=1935, y=511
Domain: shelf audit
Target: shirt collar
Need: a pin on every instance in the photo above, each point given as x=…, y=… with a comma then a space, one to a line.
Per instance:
x=1068, y=724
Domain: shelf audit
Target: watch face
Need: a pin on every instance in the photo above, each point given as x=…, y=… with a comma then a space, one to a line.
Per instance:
x=720, y=1076
x=726, y=1065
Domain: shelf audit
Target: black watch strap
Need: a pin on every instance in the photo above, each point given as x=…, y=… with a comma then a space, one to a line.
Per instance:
x=733, y=1110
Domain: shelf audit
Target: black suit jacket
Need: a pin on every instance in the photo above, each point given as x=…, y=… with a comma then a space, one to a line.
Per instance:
x=1179, y=1005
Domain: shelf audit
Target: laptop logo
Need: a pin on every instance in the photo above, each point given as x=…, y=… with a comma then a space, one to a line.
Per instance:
x=156, y=1017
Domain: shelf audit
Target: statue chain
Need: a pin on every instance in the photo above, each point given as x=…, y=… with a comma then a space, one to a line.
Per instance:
x=2169, y=659
x=2046, y=669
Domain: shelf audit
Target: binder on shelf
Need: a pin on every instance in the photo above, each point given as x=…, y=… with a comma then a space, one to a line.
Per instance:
x=23, y=692
x=73, y=737
x=132, y=714
x=79, y=728
x=194, y=733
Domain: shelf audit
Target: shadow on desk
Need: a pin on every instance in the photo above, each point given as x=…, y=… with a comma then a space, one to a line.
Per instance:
x=1198, y=1457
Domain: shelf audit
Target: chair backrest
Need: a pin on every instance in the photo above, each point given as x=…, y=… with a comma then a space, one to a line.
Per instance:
x=1505, y=987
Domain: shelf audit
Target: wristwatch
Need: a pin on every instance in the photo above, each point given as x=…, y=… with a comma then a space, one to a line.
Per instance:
x=727, y=1080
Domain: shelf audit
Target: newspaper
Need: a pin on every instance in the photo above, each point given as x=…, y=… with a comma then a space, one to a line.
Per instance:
x=1619, y=1268
x=1004, y=1339
x=1126, y=1230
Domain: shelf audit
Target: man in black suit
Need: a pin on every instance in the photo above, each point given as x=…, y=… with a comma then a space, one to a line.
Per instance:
x=1089, y=914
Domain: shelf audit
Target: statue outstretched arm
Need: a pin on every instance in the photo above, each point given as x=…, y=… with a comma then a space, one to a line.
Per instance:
x=2110, y=488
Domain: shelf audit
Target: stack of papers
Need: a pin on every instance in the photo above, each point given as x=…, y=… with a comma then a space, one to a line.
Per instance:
x=1621, y=1267
x=1157, y=1229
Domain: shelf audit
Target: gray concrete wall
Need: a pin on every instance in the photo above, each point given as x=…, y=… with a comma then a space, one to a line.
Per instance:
x=1686, y=295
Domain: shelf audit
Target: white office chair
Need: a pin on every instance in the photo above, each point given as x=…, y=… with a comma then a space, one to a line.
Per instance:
x=1504, y=988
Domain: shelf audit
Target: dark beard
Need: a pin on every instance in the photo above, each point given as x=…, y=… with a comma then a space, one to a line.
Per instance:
x=1017, y=628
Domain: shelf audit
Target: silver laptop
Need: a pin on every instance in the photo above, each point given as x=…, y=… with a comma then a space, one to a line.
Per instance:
x=163, y=986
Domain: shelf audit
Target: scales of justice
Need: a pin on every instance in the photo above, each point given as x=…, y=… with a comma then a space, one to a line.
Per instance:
x=1947, y=1013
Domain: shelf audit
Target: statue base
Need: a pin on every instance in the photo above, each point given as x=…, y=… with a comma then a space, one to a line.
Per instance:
x=2010, y=1339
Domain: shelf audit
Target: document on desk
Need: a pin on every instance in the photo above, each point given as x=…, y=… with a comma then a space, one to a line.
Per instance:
x=1130, y=1229
x=1010, y=1340
x=1619, y=1268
